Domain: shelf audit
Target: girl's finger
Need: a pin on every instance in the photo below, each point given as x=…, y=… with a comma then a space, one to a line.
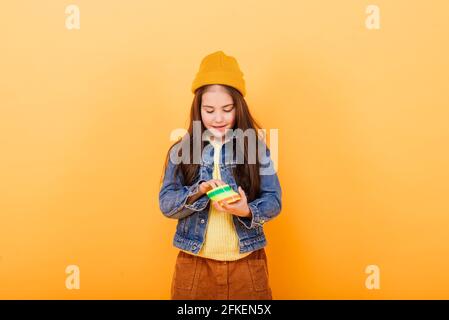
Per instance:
x=210, y=185
x=213, y=183
x=242, y=193
x=226, y=205
x=218, y=206
x=207, y=184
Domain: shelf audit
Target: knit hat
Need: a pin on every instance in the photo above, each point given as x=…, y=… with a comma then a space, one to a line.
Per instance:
x=219, y=68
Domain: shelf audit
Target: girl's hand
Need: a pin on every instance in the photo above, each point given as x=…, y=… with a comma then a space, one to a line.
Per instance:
x=239, y=208
x=203, y=188
x=209, y=185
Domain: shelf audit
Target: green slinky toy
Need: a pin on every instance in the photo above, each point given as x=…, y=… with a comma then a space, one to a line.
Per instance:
x=223, y=193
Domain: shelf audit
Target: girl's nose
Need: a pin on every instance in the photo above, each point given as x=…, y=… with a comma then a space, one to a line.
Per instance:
x=219, y=117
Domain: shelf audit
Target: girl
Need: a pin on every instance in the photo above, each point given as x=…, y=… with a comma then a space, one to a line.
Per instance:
x=222, y=253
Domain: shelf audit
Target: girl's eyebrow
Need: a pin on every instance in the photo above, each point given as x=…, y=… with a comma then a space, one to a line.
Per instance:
x=222, y=106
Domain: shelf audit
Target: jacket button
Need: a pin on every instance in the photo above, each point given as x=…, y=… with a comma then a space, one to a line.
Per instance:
x=202, y=221
x=194, y=247
x=262, y=221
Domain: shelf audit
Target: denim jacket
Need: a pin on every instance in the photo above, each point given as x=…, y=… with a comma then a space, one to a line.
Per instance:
x=192, y=218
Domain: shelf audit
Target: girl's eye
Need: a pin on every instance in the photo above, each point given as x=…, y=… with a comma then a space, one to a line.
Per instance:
x=209, y=111
x=229, y=110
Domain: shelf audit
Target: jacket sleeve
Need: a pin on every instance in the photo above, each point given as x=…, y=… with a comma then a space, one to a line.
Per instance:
x=268, y=205
x=173, y=195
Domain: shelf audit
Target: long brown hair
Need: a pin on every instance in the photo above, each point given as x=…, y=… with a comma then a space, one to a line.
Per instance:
x=246, y=174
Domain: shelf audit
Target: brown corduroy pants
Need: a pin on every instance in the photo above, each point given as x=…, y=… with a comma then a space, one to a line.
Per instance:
x=200, y=278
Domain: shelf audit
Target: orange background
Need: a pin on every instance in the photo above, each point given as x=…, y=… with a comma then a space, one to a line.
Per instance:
x=363, y=141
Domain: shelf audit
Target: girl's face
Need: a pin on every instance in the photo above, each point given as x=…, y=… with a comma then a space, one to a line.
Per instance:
x=217, y=110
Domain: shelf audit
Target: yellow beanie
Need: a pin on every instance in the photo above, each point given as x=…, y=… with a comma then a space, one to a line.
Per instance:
x=219, y=68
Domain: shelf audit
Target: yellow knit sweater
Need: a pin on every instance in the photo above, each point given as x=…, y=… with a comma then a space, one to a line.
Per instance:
x=221, y=241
